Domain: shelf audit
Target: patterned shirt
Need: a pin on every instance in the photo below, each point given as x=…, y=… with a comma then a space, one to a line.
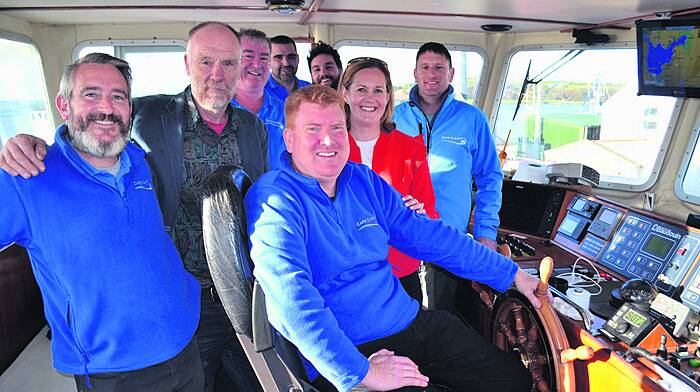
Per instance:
x=203, y=152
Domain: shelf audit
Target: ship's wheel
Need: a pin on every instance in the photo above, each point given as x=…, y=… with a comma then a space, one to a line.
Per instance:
x=536, y=336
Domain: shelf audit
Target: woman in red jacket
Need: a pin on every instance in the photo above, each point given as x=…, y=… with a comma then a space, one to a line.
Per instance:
x=398, y=158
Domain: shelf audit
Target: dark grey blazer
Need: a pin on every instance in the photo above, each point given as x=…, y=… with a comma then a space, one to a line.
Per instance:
x=157, y=127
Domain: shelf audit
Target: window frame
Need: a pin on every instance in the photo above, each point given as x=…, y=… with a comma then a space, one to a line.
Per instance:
x=479, y=90
x=670, y=129
x=693, y=146
x=21, y=38
x=122, y=46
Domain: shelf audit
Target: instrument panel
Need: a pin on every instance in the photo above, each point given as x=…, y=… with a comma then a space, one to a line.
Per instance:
x=633, y=245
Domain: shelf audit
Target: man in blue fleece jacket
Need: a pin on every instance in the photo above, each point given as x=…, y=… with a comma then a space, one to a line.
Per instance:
x=459, y=147
x=122, y=308
x=320, y=229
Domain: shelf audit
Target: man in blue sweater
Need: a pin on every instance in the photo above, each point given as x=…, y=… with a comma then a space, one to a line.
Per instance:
x=122, y=308
x=459, y=147
x=283, y=68
x=187, y=136
x=251, y=94
x=320, y=229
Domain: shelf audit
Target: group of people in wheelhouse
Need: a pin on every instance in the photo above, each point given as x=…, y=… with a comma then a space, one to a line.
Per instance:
x=352, y=198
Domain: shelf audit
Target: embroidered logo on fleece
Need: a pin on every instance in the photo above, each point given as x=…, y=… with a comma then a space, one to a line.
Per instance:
x=366, y=222
x=144, y=185
x=458, y=140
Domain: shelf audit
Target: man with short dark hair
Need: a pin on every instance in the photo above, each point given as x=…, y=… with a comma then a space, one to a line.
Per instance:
x=460, y=147
x=324, y=65
x=320, y=229
x=283, y=68
x=187, y=137
x=122, y=309
x=251, y=94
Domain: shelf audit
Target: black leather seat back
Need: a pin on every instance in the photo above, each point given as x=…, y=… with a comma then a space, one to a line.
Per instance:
x=276, y=361
x=226, y=243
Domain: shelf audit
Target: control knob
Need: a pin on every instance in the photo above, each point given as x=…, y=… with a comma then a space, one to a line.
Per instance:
x=622, y=327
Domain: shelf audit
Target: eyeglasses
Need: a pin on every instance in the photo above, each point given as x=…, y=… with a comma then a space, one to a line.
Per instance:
x=369, y=60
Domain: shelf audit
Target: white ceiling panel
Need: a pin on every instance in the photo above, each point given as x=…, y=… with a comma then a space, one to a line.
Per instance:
x=524, y=15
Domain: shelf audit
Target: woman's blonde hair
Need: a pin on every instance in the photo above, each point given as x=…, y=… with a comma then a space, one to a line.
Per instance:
x=355, y=66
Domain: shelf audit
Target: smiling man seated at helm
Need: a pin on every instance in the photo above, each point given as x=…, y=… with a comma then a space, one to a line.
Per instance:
x=320, y=230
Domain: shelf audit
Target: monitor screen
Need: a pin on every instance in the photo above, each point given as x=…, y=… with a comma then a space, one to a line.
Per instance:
x=568, y=225
x=668, y=57
x=608, y=216
x=658, y=246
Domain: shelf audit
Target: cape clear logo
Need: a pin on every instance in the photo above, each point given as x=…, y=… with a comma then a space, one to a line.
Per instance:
x=458, y=140
x=143, y=185
x=367, y=222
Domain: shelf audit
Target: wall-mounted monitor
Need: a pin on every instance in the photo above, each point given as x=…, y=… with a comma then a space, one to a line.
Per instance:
x=668, y=53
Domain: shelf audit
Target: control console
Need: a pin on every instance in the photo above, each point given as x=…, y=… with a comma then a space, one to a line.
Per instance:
x=632, y=244
x=652, y=250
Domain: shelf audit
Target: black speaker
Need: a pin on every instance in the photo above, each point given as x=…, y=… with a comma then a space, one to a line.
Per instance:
x=530, y=208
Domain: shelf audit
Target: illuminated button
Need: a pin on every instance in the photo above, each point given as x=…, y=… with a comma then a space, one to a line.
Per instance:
x=638, y=259
x=643, y=225
x=625, y=253
x=631, y=221
x=630, y=244
x=636, y=234
x=681, y=251
x=693, y=297
x=625, y=230
x=613, y=247
x=608, y=256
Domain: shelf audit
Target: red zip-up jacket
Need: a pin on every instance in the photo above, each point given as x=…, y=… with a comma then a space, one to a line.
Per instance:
x=400, y=160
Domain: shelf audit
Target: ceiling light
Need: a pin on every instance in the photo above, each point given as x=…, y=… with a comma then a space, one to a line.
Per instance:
x=284, y=6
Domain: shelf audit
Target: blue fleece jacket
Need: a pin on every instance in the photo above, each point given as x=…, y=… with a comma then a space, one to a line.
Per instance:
x=322, y=263
x=279, y=91
x=272, y=114
x=460, y=146
x=116, y=295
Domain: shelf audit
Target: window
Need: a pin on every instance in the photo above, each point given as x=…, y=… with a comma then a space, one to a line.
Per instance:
x=303, y=49
x=582, y=106
x=24, y=104
x=157, y=66
x=688, y=181
x=468, y=63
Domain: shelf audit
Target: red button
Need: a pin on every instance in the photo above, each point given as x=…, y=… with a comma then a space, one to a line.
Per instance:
x=681, y=251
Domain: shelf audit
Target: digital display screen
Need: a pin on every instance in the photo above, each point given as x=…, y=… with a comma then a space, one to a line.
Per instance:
x=568, y=226
x=608, y=216
x=668, y=52
x=658, y=246
x=634, y=318
x=580, y=203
